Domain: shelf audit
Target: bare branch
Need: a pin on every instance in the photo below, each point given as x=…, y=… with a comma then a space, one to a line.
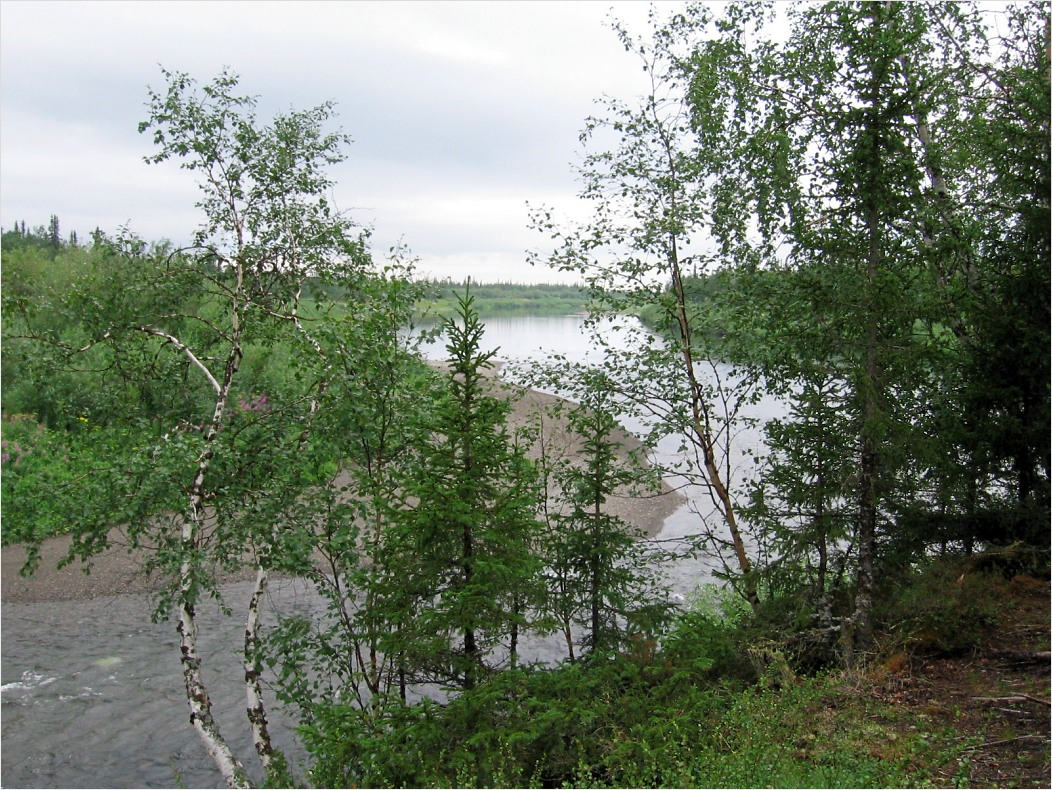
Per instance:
x=182, y=347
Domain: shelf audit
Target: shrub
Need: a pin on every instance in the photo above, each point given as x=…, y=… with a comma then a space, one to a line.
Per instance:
x=32, y=458
x=942, y=607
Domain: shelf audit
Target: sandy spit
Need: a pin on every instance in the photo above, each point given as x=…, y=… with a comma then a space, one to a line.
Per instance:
x=117, y=571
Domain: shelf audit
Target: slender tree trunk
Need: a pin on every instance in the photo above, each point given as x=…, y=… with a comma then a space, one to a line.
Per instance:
x=870, y=451
x=701, y=425
x=870, y=461
x=866, y=542
x=822, y=546
x=402, y=681
x=201, y=705
x=257, y=715
x=514, y=637
x=596, y=580
x=470, y=645
x=821, y=518
x=196, y=693
x=703, y=437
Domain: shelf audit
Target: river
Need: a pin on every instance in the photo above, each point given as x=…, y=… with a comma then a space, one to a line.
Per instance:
x=92, y=692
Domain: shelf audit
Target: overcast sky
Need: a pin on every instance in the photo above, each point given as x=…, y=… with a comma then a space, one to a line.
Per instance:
x=460, y=111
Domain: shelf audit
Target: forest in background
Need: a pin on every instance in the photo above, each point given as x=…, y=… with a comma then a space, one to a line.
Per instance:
x=856, y=219
x=504, y=299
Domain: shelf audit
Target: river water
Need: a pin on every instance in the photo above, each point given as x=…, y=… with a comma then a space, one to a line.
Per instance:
x=91, y=691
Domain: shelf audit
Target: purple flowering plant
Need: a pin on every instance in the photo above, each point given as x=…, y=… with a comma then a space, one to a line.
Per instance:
x=258, y=403
x=21, y=435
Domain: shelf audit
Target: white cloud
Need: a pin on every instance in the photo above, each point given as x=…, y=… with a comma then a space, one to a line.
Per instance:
x=460, y=111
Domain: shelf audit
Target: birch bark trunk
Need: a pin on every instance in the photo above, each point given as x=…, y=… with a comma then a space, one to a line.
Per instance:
x=257, y=714
x=704, y=440
x=201, y=718
x=201, y=705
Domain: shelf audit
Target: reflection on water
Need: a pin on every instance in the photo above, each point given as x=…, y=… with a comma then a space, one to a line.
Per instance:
x=528, y=337
x=92, y=691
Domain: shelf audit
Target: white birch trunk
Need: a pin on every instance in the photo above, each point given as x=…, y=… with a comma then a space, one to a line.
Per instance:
x=256, y=711
x=201, y=718
x=201, y=705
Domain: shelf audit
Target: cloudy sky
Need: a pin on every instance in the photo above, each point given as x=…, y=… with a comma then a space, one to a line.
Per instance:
x=460, y=111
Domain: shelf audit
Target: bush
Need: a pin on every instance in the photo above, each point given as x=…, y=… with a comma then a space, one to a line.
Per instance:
x=522, y=728
x=613, y=723
x=943, y=607
x=32, y=460
x=708, y=640
x=682, y=715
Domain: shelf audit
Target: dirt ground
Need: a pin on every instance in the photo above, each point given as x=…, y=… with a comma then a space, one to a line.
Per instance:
x=998, y=697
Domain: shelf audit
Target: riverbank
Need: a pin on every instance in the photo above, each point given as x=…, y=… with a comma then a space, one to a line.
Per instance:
x=118, y=571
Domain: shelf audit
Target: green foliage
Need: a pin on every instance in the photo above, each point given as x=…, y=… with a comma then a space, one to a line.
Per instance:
x=871, y=195
x=54, y=363
x=1001, y=414
x=708, y=637
x=619, y=723
x=361, y=441
x=601, y=581
x=206, y=369
x=33, y=460
x=46, y=240
x=942, y=607
x=457, y=566
x=851, y=172
x=646, y=239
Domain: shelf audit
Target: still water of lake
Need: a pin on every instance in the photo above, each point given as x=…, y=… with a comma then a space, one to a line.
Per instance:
x=92, y=693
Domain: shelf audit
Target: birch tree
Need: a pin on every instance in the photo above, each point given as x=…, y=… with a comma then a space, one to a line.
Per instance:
x=825, y=159
x=212, y=481
x=376, y=394
x=850, y=159
x=651, y=221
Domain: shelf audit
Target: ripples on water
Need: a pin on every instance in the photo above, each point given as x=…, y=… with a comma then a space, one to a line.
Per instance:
x=92, y=695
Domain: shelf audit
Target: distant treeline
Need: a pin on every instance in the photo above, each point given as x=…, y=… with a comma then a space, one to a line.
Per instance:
x=490, y=298
x=47, y=238
x=505, y=298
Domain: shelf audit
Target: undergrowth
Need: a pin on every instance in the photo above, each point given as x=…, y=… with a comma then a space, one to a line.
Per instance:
x=698, y=712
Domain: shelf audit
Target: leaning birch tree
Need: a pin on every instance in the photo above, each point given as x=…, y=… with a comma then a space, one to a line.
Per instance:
x=856, y=145
x=652, y=227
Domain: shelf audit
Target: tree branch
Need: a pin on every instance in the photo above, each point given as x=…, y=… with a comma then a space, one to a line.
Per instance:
x=182, y=347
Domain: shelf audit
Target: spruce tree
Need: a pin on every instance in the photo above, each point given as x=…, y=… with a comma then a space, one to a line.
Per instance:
x=602, y=587
x=458, y=560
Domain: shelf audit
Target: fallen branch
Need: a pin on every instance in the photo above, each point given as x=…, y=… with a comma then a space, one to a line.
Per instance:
x=1022, y=656
x=1014, y=698
x=1005, y=741
x=1035, y=699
